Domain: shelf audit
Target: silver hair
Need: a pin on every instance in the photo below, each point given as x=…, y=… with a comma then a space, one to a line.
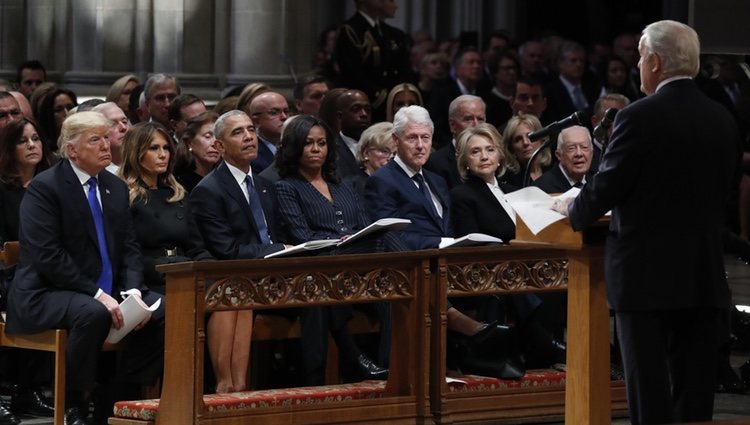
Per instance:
x=221, y=122
x=676, y=44
x=456, y=103
x=158, y=80
x=560, y=140
x=411, y=115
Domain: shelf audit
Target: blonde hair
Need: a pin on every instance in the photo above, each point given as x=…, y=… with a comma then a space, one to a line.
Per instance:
x=543, y=159
x=378, y=136
x=115, y=91
x=77, y=124
x=462, y=153
x=135, y=144
x=250, y=92
x=392, y=95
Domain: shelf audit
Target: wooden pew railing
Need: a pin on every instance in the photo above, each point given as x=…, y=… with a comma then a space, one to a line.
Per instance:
x=490, y=270
x=417, y=284
x=194, y=289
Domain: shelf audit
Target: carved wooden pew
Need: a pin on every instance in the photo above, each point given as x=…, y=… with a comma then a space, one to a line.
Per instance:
x=461, y=272
x=193, y=289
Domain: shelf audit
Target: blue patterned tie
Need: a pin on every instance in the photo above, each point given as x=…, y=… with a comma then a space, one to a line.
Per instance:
x=425, y=192
x=105, y=278
x=257, y=209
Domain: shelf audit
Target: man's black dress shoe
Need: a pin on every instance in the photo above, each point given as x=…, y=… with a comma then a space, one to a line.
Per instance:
x=727, y=380
x=8, y=418
x=367, y=369
x=31, y=402
x=73, y=416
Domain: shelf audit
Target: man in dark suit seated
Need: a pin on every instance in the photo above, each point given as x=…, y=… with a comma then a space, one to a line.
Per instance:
x=571, y=90
x=465, y=111
x=269, y=110
x=403, y=188
x=664, y=263
x=604, y=103
x=354, y=115
x=78, y=252
x=234, y=211
x=574, y=152
x=469, y=71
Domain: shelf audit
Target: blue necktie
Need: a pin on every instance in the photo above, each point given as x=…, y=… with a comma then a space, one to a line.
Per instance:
x=105, y=278
x=257, y=209
x=425, y=192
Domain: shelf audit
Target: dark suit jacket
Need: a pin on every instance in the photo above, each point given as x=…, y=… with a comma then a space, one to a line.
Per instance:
x=389, y=192
x=10, y=203
x=443, y=163
x=476, y=210
x=559, y=103
x=664, y=249
x=225, y=219
x=306, y=215
x=440, y=100
x=59, y=248
x=346, y=163
x=264, y=159
x=553, y=181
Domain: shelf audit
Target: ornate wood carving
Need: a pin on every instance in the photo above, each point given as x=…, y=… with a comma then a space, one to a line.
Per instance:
x=236, y=292
x=508, y=275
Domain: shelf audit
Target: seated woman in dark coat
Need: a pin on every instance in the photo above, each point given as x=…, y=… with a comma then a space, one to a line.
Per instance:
x=312, y=205
x=161, y=212
x=197, y=154
x=479, y=205
x=520, y=148
x=23, y=155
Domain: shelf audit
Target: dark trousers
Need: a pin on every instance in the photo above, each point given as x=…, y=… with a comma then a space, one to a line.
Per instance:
x=669, y=359
x=88, y=323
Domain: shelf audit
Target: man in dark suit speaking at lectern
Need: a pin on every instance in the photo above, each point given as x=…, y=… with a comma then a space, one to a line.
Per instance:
x=666, y=175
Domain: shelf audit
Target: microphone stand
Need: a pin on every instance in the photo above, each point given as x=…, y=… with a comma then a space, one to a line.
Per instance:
x=527, y=170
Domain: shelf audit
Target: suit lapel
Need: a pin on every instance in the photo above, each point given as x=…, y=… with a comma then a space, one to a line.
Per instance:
x=79, y=200
x=109, y=213
x=416, y=193
x=229, y=184
x=442, y=221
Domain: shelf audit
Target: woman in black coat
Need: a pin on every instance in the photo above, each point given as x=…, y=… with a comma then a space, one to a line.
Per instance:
x=161, y=214
x=23, y=155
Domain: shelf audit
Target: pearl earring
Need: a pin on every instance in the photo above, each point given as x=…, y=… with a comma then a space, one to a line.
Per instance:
x=190, y=149
x=367, y=159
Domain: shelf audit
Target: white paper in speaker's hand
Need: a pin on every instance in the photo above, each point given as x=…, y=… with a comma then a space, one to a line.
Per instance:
x=134, y=310
x=535, y=207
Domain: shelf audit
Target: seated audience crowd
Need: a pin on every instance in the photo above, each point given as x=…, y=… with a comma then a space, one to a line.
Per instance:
x=99, y=195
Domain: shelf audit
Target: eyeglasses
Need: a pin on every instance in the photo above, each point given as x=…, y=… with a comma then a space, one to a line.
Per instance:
x=13, y=113
x=275, y=112
x=387, y=153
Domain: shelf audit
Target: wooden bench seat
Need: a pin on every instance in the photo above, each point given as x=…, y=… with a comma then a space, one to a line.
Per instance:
x=289, y=283
x=145, y=411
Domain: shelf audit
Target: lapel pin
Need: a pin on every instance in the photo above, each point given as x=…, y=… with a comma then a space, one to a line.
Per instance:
x=106, y=191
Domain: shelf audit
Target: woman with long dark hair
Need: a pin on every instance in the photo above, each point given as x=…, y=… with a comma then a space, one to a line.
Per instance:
x=23, y=155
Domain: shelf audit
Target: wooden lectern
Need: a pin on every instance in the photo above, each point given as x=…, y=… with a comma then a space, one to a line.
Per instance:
x=589, y=394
